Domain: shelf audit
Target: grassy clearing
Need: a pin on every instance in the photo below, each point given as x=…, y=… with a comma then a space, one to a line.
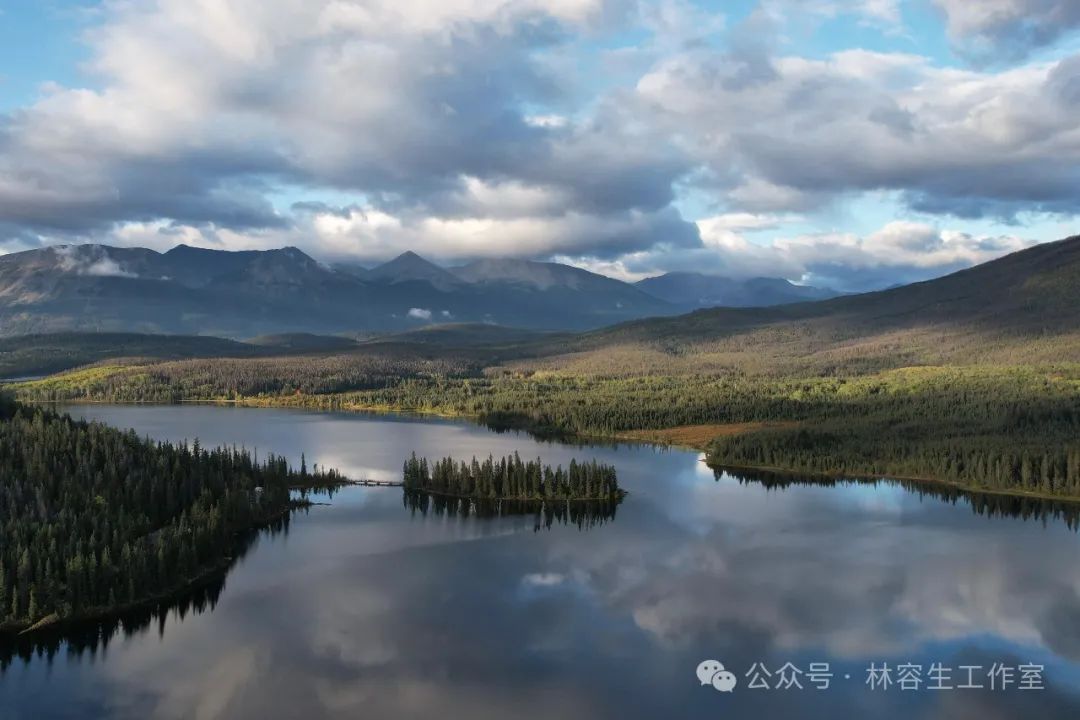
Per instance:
x=696, y=437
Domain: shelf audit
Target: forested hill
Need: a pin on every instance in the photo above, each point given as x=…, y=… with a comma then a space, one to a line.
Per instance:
x=1022, y=307
x=93, y=519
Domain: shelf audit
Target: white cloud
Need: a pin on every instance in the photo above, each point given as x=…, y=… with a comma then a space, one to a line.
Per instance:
x=402, y=99
x=898, y=252
x=543, y=579
x=419, y=314
x=89, y=261
x=373, y=235
x=808, y=132
x=458, y=129
x=106, y=268
x=547, y=121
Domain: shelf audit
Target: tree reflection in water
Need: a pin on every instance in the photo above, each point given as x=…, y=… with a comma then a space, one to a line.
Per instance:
x=92, y=637
x=585, y=514
x=990, y=504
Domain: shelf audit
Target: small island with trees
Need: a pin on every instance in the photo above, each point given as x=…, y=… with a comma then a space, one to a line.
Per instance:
x=511, y=478
x=585, y=494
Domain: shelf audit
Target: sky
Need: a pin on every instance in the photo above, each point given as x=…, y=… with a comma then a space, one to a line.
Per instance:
x=854, y=144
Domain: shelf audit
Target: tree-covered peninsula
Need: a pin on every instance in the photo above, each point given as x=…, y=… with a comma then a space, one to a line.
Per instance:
x=94, y=520
x=511, y=478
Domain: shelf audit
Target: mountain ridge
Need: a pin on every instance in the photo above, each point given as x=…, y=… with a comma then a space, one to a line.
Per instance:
x=189, y=290
x=698, y=290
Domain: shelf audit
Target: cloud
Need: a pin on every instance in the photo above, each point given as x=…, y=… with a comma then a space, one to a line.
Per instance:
x=991, y=29
x=401, y=100
x=543, y=579
x=419, y=314
x=809, y=132
x=106, y=268
x=467, y=129
x=883, y=12
x=368, y=235
x=90, y=261
x=899, y=252
x=373, y=234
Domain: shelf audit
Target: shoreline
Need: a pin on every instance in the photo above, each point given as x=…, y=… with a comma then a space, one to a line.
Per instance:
x=865, y=477
x=29, y=632
x=654, y=437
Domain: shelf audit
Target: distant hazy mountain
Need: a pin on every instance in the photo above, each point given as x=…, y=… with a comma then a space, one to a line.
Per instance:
x=695, y=290
x=533, y=275
x=562, y=289
x=410, y=267
x=243, y=294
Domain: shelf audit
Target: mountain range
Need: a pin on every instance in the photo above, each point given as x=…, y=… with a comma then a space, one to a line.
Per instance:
x=1023, y=308
x=192, y=290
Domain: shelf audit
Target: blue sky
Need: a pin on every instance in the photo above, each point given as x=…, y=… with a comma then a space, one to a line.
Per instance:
x=40, y=42
x=855, y=143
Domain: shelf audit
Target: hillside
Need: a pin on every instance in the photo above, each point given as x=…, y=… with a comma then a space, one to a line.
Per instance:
x=30, y=355
x=1024, y=307
x=562, y=289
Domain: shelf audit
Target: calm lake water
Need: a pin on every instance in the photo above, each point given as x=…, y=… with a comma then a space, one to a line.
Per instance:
x=361, y=609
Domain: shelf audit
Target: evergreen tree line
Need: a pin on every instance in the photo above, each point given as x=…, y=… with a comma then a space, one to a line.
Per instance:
x=511, y=478
x=93, y=519
x=1023, y=399
x=78, y=639
x=995, y=427
x=235, y=378
x=1044, y=463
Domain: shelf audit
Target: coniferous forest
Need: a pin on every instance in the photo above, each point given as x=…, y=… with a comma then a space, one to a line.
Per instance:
x=1004, y=428
x=511, y=478
x=94, y=520
x=1043, y=463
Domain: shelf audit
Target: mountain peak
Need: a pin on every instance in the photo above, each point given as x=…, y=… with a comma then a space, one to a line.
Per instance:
x=408, y=266
x=408, y=259
x=185, y=249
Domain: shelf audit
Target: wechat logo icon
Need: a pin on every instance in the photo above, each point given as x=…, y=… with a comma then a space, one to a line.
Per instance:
x=712, y=672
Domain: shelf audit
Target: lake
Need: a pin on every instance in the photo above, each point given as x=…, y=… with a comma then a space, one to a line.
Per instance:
x=362, y=608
